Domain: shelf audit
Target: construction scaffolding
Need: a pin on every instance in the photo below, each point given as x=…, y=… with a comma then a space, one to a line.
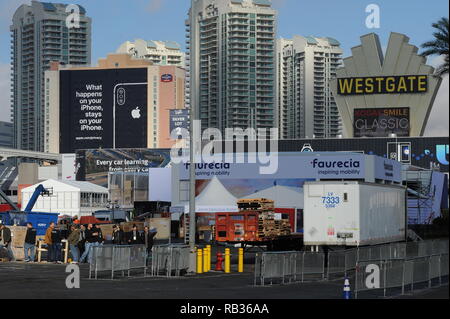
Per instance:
x=421, y=196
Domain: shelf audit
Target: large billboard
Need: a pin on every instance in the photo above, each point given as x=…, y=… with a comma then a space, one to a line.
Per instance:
x=103, y=109
x=424, y=152
x=381, y=122
x=95, y=165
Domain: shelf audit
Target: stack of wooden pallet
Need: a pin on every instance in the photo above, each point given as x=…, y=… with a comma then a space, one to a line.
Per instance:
x=260, y=204
x=268, y=227
x=283, y=226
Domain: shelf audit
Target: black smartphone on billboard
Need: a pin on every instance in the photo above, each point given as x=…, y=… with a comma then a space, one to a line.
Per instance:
x=130, y=115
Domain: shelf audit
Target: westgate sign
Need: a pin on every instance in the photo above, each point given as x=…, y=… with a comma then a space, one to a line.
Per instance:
x=404, y=84
x=373, y=78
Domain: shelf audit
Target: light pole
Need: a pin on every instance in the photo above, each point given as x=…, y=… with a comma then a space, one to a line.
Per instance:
x=192, y=117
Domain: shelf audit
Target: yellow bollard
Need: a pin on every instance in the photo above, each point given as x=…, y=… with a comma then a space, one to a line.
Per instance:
x=241, y=260
x=205, y=259
x=209, y=257
x=227, y=261
x=199, y=261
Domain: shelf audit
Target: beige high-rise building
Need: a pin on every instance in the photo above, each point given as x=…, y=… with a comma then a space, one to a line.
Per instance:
x=306, y=67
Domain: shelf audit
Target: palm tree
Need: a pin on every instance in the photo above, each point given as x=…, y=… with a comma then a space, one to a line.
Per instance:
x=439, y=46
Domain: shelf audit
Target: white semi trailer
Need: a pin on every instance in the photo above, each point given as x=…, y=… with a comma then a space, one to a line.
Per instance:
x=353, y=213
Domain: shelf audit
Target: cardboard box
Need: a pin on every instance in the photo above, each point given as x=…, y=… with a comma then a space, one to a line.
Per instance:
x=162, y=226
x=18, y=234
x=107, y=231
x=19, y=253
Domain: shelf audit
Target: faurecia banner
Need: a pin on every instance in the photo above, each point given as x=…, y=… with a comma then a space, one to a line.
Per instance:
x=290, y=165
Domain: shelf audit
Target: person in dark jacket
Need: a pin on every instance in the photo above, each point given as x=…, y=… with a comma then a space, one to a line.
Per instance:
x=30, y=243
x=147, y=239
x=117, y=236
x=56, y=245
x=5, y=241
x=64, y=229
x=134, y=238
x=100, y=238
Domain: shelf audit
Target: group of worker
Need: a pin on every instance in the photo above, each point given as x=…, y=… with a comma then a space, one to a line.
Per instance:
x=81, y=239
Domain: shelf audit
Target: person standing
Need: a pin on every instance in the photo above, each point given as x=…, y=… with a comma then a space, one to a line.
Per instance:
x=30, y=243
x=92, y=240
x=147, y=238
x=56, y=246
x=82, y=242
x=134, y=238
x=117, y=236
x=99, y=232
x=5, y=241
x=48, y=241
x=73, y=240
x=88, y=244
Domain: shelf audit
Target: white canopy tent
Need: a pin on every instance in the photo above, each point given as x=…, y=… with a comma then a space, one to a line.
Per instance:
x=284, y=196
x=68, y=198
x=215, y=198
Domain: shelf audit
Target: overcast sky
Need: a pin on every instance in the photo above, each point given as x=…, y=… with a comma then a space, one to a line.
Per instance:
x=116, y=21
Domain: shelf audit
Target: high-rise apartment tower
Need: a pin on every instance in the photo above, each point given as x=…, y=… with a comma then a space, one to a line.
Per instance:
x=231, y=59
x=307, y=108
x=40, y=34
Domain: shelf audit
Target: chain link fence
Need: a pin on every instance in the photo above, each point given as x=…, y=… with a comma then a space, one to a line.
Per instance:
x=169, y=260
x=113, y=259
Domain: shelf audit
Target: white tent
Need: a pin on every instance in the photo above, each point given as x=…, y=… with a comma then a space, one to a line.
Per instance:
x=68, y=198
x=215, y=198
x=284, y=196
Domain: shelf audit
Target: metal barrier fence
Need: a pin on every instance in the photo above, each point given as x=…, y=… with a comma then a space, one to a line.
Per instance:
x=169, y=260
x=288, y=267
x=344, y=261
x=117, y=258
x=401, y=274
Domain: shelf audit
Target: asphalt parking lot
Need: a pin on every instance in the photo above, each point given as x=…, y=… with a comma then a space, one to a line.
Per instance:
x=47, y=281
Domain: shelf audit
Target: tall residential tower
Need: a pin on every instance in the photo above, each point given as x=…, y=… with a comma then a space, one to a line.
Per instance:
x=231, y=45
x=39, y=35
x=306, y=104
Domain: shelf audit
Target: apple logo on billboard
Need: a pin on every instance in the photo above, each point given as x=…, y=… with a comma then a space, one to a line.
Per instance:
x=136, y=113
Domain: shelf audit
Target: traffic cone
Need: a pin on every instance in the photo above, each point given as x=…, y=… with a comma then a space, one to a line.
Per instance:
x=347, y=291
